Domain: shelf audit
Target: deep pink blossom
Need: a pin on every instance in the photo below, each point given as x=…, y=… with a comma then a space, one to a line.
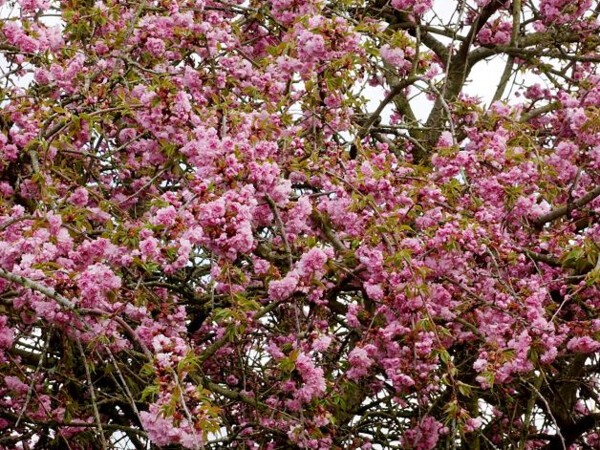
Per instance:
x=425, y=435
x=282, y=289
x=95, y=283
x=583, y=344
x=418, y=6
x=313, y=381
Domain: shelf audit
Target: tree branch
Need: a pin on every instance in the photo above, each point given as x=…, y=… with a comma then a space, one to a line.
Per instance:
x=526, y=117
x=514, y=42
x=566, y=209
x=35, y=286
x=69, y=305
x=396, y=89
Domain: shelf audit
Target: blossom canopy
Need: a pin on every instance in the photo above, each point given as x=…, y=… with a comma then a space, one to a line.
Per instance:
x=230, y=224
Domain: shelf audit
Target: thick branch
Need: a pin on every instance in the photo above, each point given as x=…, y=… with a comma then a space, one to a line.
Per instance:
x=401, y=21
x=566, y=209
x=541, y=40
x=526, y=117
x=539, y=257
x=457, y=71
x=35, y=286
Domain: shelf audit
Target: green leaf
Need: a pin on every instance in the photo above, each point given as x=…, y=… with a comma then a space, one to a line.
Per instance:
x=444, y=355
x=464, y=389
x=150, y=392
x=147, y=370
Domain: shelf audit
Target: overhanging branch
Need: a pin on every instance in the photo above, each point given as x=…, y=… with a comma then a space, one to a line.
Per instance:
x=557, y=213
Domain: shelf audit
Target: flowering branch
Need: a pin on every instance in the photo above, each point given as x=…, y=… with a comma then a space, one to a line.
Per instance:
x=35, y=286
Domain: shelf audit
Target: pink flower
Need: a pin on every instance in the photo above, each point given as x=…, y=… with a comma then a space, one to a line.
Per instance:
x=583, y=344
x=498, y=33
x=321, y=344
x=282, y=289
x=7, y=336
x=549, y=355
x=95, y=283
x=418, y=6
x=156, y=47
x=158, y=428
x=165, y=217
x=149, y=248
x=42, y=76
x=314, y=381
x=396, y=57
x=15, y=384
x=261, y=266
x=425, y=435
x=311, y=46
x=563, y=11
x=213, y=211
x=472, y=424
x=374, y=291
x=360, y=362
x=446, y=140
x=311, y=263
x=298, y=216
x=34, y=5
x=16, y=36
x=481, y=363
x=79, y=197
x=126, y=135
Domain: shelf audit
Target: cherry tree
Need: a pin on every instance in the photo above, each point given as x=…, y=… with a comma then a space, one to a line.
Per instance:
x=231, y=224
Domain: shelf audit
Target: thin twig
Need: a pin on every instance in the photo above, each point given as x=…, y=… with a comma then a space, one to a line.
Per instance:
x=33, y=380
x=197, y=444
x=541, y=397
x=14, y=220
x=145, y=186
x=92, y=395
x=124, y=383
x=514, y=42
x=281, y=227
x=396, y=89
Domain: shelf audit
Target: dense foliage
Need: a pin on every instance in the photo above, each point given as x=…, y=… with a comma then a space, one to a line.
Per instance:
x=225, y=224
